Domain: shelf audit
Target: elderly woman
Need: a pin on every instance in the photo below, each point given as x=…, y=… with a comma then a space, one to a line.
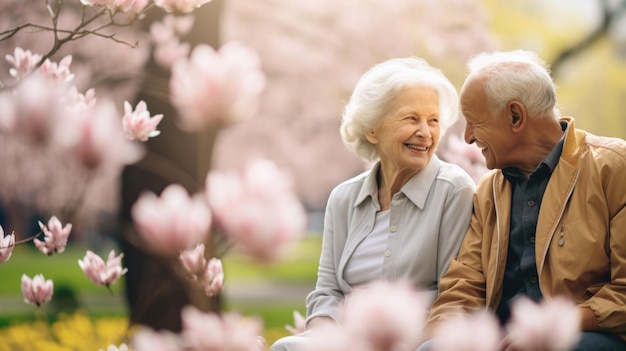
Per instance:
x=406, y=217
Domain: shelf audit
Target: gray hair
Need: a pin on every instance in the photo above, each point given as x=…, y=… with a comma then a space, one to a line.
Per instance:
x=379, y=86
x=516, y=75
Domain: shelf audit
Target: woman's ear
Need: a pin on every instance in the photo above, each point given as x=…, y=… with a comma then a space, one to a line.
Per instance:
x=518, y=116
x=370, y=135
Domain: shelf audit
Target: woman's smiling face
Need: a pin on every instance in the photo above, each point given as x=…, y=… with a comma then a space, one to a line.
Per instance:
x=409, y=132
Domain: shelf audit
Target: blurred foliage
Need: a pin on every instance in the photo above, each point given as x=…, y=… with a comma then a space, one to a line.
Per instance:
x=592, y=82
x=75, y=332
x=31, y=328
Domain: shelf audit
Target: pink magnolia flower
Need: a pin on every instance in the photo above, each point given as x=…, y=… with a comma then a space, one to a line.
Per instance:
x=23, y=62
x=548, y=325
x=55, y=236
x=184, y=6
x=36, y=291
x=257, y=210
x=173, y=222
x=100, y=272
x=59, y=72
x=167, y=53
x=37, y=107
x=216, y=86
x=332, y=337
x=386, y=324
x=207, y=274
x=171, y=26
x=93, y=136
x=122, y=347
x=230, y=331
x=137, y=124
x=298, y=325
x=131, y=7
x=475, y=332
x=468, y=156
x=7, y=243
x=146, y=339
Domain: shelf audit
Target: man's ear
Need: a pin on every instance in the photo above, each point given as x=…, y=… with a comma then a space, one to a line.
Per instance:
x=518, y=116
x=371, y=136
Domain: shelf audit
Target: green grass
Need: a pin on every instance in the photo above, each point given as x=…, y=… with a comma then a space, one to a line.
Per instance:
x=62, y=268
x=298, y=268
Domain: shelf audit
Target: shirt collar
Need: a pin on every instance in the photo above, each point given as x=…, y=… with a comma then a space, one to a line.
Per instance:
x=416, y=188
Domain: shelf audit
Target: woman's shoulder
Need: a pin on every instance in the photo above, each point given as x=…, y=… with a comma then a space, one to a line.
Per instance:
x=454, y=174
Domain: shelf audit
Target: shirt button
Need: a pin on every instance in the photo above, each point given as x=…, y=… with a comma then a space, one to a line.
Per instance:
x=532, y=239
x=393, y=228
x=531, y=203
x=387, y=253
x=533, y=280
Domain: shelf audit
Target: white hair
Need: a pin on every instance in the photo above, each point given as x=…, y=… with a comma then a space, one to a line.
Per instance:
x=379, y=86
x=516, y=75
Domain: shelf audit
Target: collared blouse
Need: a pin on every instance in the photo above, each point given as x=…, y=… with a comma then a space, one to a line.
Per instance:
x=428, y=220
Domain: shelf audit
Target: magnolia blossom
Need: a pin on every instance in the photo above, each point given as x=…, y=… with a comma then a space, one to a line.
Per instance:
x=173, y=222
x=298, y=324
x=475, y=332
x=137, y=124
x=55, y=236
x=58, y=71
x=207, y=274
x=129, y=6
x=23, y=62
x=36, y=291
x=171, y=26
x=382, y=322
x=123, y=347
x=216, y=86
x=169, y=52
x=332, y=337
x=100, y=272
x=7, y=243
x=184, y=6
x=146, y=339
x=209, y=331
x=36, y=107
x=94, y=137
x=548, y=325
x=257, y=210
x=468, y=156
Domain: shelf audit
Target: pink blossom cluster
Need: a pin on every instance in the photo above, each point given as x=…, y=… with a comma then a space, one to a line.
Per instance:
x=257, y=209
x=127, y=6
x=216, y=87
x=203, y=331
x=381, y=315
x=173, y=222
x=165, y=37
x=468, y=156
x=209, y=275
x=46, y=109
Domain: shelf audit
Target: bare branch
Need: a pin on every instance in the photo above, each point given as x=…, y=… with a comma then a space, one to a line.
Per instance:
x=609, y=16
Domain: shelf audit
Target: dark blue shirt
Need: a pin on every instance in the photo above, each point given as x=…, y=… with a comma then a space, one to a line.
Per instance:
x=520, y=275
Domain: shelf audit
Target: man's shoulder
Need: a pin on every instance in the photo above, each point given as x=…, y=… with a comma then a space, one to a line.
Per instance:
x=605, y=146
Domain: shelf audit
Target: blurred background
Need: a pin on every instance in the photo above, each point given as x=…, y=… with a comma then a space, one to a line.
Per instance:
x=312, y=52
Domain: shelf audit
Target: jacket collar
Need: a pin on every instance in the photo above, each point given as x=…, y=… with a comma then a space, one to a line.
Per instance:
x=416, y=189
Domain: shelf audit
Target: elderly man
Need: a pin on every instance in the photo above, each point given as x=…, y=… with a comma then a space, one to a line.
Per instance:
x=550, y=218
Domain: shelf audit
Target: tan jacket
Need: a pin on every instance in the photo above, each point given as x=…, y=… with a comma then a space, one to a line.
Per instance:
x=580, y=242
